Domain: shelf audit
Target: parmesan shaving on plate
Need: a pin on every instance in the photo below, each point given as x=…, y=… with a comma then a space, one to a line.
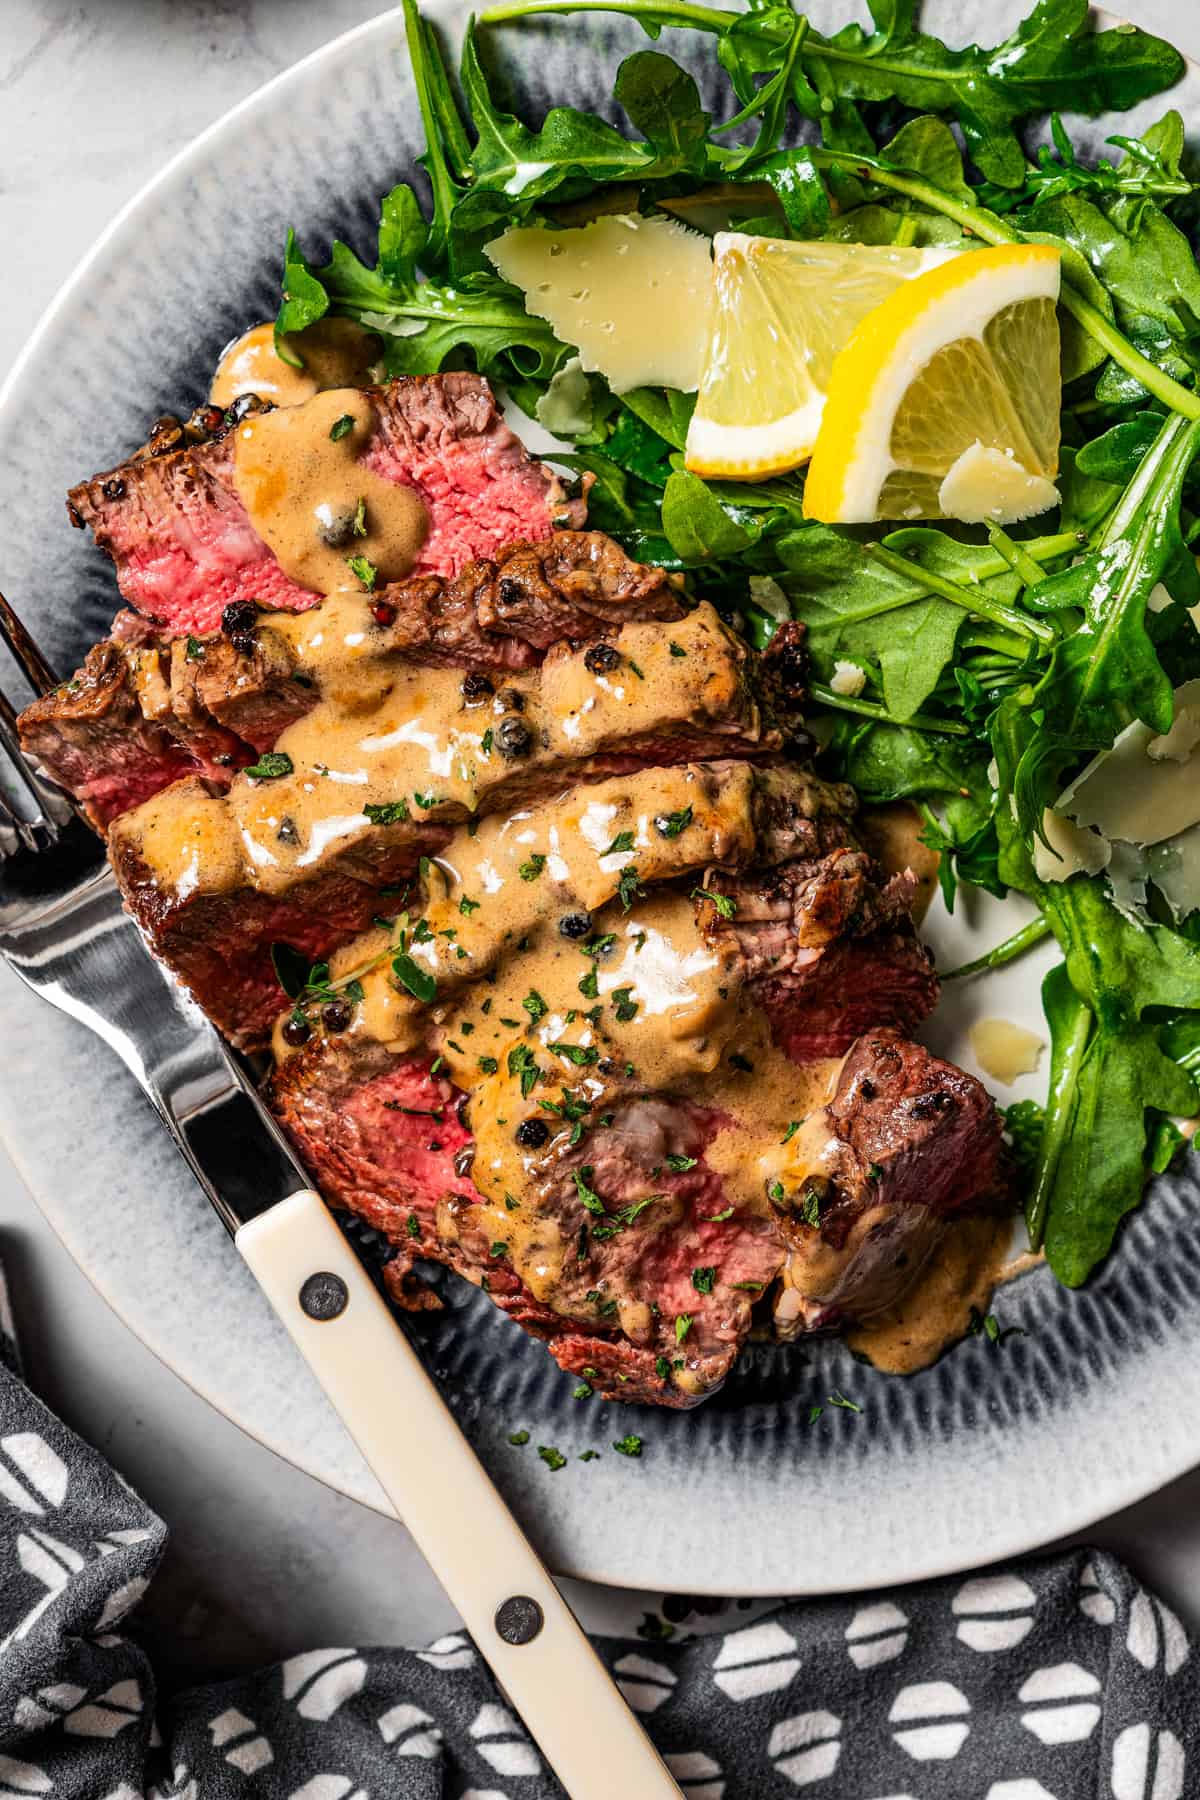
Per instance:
x=1141, y=801
x=1005, y=1051
x=634, y=295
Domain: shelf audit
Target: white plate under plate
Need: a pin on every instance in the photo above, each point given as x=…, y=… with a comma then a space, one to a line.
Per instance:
x=985, y=1455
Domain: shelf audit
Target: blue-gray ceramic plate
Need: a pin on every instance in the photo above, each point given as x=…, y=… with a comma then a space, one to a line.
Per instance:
x=986, y=1454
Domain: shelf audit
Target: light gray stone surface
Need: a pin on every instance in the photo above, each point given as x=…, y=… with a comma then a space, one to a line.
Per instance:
x=264, y=1561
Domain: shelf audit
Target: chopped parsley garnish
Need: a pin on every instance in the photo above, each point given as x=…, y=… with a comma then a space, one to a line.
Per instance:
x=635, y=668
x=704, y=1279
x=671, y=824
x=341, y=426
x=511, y=1204
x=413, y=1227
x=838, y=1399
x=621, y=845
x=874, y=1171
x=195, y=649
x=553, y=1459
x=676, y=649
x=587, y=1194
x=522, y=1062
x=989, y=1325
x=815, y=1412
x=629, y=888
x=363, y=570
x=662, y=1368
x=719, y=1218
x=414, y=980
x=810, y=1205
x=583, y=1392
x=625, y=1006
x=486, y=741
x=427, y=801
x=589, y=986
x=793, y=1127
x=598, y=946
x=466, y=906
x=270, y=766
x=499, y=1248
x=518, y=1437
x=683, y=1324
x=529, y=871
x=582, y=1055
x=679, y=1165
x=392, y=812
x=488, y=1065
x=534, y=1005
x=360, y=517
x=629, y=1445
x=589, y=1455
x=724, y=905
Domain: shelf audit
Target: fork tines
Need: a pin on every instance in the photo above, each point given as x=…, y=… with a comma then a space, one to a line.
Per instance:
x=37, y=670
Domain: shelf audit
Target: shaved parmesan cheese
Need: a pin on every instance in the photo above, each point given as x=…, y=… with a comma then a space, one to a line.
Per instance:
x=1005, y=1051
x=848, y=678
x=1127, y=874
x=766, y=593
x=1078, y=852
x=633, y=294
x=1175, y=871
x=1127, y=795
x=566, y=406
x=990, y=487
x=1178, y=743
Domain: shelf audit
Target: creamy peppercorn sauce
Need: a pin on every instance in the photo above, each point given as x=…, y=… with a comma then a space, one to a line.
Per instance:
x=646, y=987
x=384, y=734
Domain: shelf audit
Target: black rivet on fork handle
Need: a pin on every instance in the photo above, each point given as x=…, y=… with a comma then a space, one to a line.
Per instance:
x=324, y=1295
x=519, y=1619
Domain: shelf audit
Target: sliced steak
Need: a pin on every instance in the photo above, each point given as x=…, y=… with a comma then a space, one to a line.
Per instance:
x=184, y=547
x=145, y=710
x=653, y=1301
x=906, y=1143
x=829, y=944
x=214, y=878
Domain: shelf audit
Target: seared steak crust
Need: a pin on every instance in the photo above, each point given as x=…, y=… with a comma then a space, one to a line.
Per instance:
x=144, y=710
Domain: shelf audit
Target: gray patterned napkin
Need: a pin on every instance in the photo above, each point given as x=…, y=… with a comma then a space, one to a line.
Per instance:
x=1060, y=1680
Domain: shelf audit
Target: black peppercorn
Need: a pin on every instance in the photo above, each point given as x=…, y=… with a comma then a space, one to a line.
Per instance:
x=287, y=833
x=601, y=659
x=575, y=925
x=513, y=737
x=113, y=488
x=532, y=1133
x=239, y=618
x=338, y=530
x=335, y=1015
x=511, y=592
x=297, y=1031
x=463, y=1159
x=512, y=700
x=75, y=516
x=476, y=687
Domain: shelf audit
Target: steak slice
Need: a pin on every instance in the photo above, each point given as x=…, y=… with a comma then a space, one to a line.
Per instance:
x=215, y=879
x=657, y=1304
x=184, y=547
x=830, y=947
x=906, y=1143
x=145, y=710
x=141, y=714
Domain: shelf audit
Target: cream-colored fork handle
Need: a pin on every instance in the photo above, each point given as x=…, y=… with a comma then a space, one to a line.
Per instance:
x=438, y=1487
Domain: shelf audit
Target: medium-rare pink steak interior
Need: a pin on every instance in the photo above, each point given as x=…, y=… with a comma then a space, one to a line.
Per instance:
x=595, y=994
x=193, y=531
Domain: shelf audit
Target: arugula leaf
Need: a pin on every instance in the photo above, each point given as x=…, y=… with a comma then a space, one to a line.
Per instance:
x=1107, y=1070
x=1107, y=673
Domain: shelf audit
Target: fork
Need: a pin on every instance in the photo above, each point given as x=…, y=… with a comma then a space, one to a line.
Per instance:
x=65, y=933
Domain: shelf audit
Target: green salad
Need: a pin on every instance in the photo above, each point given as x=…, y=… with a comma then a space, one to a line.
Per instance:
x=997, y=664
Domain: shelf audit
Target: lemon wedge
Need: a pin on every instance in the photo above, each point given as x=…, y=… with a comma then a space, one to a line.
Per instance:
x=945, y=401
x=781, y=312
